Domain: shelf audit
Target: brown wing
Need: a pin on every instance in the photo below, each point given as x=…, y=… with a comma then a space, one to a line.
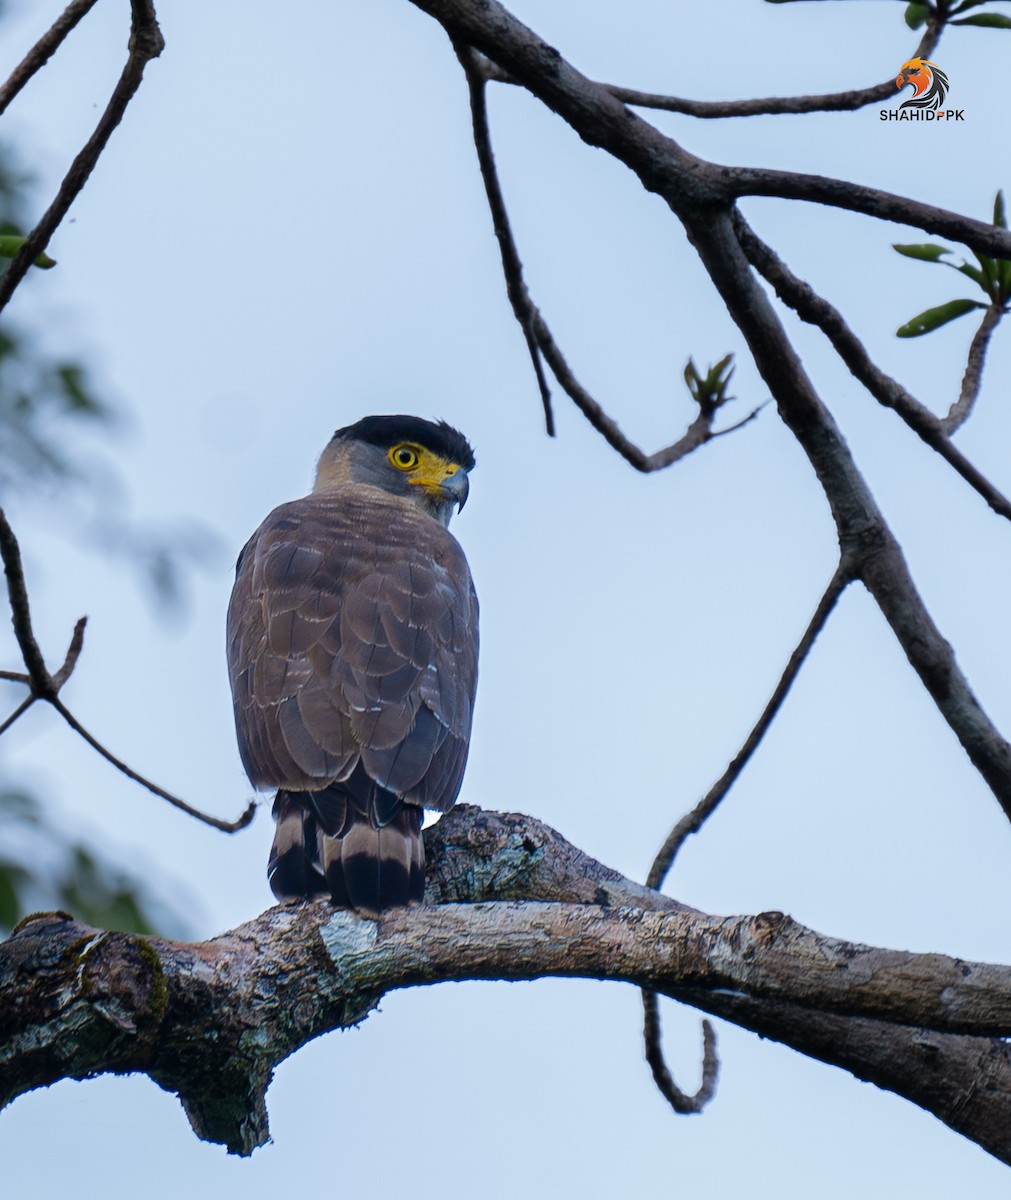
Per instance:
x=352, y=635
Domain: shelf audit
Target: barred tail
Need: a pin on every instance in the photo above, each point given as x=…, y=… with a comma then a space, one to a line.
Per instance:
x=361, y=844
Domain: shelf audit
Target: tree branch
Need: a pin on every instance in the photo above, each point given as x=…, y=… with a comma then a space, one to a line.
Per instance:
x=211, y=1021
x=872, y=202
x=146, y=43
x=960, y=411
x=847, y=101
x=44, y=49
x=43, y=686
x=693, y=821
x=815, y=310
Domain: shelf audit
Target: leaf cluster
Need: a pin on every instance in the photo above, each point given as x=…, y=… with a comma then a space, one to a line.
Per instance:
x=991, y=275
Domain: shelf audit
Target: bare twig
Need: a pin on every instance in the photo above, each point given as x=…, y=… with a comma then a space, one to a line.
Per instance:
x=693, y=821
x=768, y=106
x=73, y=654
x=539, y=339
x=815, y=310
x=778, y=105
x=43, y=686
x=683, y=1103
x=756, y=107
x=512, y=267
x=21, y=709
x=21, y=618
x=44, y=49
x=872, y=202
x=95, y=744
x=960, y=411
x=146, y=42
x=698, y=433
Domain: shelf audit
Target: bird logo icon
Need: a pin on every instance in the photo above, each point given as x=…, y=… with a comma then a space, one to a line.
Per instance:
x=928, y=81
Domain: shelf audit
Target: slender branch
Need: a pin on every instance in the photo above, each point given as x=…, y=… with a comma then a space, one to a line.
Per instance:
x=778, y=105
x=815, y=310
x=21, y=709
x=44, y=49
x=698, y=433
x=693, y=821
x=44, y=686
x=21, y=616
x=539, y=339
x=872, y=202
x=512, y=267
x=960, y=411
x=683, y=1103
x=130, y=773
x=146, y=43
x=73, y=654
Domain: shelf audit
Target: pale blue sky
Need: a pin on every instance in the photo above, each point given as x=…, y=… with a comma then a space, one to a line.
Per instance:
x=288, y=232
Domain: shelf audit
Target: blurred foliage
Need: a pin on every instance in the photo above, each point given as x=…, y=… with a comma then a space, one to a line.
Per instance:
x=52, y=415
x=42, y=867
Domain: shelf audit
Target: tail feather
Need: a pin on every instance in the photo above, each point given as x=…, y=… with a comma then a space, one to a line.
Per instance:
x=293, y=867
x=365, y=850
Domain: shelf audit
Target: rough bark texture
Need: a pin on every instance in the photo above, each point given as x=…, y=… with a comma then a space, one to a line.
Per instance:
x=211, y=1021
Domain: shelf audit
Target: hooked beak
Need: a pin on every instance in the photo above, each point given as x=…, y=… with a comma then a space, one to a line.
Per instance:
x=456, y=487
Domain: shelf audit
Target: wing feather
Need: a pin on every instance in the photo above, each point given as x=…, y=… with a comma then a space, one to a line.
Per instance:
x=352, y=635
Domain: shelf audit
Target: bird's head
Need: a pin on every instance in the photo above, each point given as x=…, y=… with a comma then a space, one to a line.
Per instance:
x=917, y=72
x=426, y=462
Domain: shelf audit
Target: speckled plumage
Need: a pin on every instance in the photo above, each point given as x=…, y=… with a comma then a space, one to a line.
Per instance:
x=352, y=652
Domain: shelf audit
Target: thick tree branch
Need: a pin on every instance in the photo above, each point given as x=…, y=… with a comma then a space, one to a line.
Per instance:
x=863, y=532
x=211, y=1021
x=700, y=194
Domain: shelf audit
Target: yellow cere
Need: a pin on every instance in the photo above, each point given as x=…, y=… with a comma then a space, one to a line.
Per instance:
x=427, y=469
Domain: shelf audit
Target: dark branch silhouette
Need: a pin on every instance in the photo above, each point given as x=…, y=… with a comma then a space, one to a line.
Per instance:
x=43, y=686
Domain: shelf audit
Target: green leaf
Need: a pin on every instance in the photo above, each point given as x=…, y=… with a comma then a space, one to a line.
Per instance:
x=986, y=21
x=915, y=15
x=999, y=215
x=11, y=243
x=966, y=5
x=934, y=318
x=927, y=251
x=973, y=273
x=988, y=266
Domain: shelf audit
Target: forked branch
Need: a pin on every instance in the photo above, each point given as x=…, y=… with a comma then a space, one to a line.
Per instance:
x=45, y=686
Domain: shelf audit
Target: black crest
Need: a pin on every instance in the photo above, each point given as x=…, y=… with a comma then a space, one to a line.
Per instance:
x=386, y=431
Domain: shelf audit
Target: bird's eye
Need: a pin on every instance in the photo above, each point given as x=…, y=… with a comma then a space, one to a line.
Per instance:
x=404, y=458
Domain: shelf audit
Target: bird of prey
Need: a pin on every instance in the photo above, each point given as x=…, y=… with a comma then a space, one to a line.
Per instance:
x=352, y=652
